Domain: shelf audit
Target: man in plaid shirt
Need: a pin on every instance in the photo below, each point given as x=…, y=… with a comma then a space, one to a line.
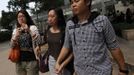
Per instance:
x=91, y=36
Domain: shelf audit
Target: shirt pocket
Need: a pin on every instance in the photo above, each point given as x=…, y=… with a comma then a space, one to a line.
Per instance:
x=96, y=35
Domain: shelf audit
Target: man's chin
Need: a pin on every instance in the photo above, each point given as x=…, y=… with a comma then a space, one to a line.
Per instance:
x=75, y=13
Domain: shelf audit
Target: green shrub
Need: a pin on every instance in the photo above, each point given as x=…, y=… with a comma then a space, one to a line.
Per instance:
x=4, y=36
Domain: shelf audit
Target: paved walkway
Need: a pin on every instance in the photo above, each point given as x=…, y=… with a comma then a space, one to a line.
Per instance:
x=8, y=68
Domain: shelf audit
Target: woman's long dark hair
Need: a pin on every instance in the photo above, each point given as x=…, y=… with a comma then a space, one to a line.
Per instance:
x=29, y=20
x=60, y=18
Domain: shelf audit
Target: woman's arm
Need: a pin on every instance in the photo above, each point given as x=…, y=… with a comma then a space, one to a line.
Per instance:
x=14, y=38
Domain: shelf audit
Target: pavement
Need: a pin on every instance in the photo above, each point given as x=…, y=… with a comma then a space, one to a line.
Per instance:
x=8, y=68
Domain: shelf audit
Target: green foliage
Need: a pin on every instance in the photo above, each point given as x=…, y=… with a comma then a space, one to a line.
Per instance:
x=132, y=1
x=4, y=36
x=60, y=2
x=16, y=4
x=6, y=19
x=46, y=4
x=125, y=1
x=42, y=4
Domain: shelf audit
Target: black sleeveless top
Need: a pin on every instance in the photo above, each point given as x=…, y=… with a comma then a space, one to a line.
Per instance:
x=55, y=42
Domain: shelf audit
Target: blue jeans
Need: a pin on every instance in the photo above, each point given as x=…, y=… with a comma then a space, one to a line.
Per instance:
x=27, y=68
x=52, y=63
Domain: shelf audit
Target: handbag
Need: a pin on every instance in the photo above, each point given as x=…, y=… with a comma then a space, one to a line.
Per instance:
x=43, y=63
x=14, y=54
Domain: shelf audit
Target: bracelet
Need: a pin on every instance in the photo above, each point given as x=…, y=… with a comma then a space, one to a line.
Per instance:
x=124, y=71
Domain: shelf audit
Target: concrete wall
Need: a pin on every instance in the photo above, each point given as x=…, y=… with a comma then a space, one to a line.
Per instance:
x=128, y=34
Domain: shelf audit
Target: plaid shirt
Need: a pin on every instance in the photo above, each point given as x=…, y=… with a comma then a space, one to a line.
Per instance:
x=90, y=42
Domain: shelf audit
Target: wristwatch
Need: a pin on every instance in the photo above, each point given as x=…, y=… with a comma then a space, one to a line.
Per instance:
x=124, y=71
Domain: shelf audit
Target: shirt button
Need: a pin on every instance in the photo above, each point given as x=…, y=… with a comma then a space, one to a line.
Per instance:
x=84, y=40
x=82, y=32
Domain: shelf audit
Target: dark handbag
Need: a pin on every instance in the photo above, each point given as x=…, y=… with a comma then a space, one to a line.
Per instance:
x=14, y=54
x=43, y=63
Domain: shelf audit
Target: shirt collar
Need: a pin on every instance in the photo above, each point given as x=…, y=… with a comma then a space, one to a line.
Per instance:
x=90, y=19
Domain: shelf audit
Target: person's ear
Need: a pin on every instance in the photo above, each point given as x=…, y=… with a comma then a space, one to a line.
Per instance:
x=88, y=2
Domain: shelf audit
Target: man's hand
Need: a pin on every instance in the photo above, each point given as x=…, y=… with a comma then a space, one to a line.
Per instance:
x=120, y=73
x=119, y=58
x=58, y=68
x=123, y=71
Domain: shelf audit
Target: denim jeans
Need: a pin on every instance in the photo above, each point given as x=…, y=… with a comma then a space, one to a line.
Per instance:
x=52, y=62
x=27, y=68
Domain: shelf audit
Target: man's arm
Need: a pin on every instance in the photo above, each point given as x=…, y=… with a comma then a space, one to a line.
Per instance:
x=63, y=54
x=119, y=58
x=67, y=60
x=67, y=46
x=113, y=46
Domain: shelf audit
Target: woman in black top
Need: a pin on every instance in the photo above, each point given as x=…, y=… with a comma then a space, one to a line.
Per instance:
x=55, y=39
